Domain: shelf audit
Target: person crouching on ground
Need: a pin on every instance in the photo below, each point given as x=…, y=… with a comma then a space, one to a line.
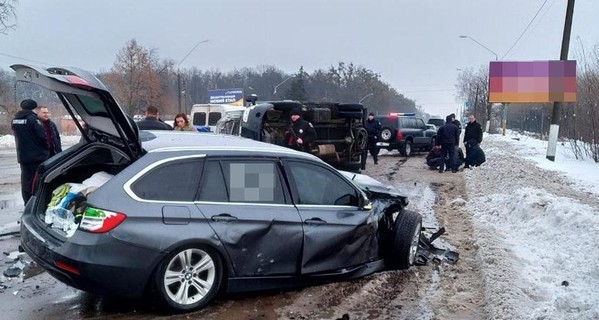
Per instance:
x=301, y=132
x=475, y=156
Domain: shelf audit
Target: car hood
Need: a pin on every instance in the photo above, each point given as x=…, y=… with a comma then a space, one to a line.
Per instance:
x=85, y=97
x=375, y=189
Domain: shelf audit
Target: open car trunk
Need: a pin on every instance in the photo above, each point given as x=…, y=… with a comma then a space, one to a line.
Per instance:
x=64, y=182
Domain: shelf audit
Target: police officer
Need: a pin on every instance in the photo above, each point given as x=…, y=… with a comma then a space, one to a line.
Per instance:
x=32, y=146
x=301, y=132
x=373, y=127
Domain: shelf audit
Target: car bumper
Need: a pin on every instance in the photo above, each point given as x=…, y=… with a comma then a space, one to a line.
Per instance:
x=96, y=263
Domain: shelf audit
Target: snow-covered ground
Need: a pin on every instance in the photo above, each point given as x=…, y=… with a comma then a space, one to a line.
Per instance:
x=536, y=226
x=537, y=229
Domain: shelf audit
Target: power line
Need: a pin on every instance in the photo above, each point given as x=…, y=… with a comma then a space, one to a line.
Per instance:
x=525, y=29
x=21, y=58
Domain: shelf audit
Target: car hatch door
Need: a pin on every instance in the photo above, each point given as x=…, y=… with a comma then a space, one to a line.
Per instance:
x=85, y=97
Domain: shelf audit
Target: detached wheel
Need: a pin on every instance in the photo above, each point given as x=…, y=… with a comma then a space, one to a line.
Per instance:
x=406, y=150
x=406, y=234
x=386, y=134
x=189, y=278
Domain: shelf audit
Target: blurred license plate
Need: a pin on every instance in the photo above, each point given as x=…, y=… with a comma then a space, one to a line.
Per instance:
x=382, y=144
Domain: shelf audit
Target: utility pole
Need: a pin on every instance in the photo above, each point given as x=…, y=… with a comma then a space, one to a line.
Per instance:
x=557, y=106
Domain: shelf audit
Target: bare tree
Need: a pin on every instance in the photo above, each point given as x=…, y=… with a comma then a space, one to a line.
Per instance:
x=7, y=15
x=134, y=78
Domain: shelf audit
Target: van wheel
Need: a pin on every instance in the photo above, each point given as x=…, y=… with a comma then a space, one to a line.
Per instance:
x=350, y=107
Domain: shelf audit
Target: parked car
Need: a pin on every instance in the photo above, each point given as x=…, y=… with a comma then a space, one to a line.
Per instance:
x=436, y=120
x=405, y=132
x=186, y=216
x=341, y=136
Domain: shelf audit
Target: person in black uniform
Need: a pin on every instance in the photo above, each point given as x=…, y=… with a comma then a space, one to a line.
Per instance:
x=446, y=138
x=301, y=132
x=152, y=122
x=32, y=145
x=373, y=127
x=473, y=131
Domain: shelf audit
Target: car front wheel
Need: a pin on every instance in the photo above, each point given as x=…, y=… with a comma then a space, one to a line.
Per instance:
x=189, y=278
x=406, y=234
x=406, y=150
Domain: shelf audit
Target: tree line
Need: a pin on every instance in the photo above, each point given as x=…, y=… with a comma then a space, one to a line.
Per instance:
x=579, y=121
x=140, y=78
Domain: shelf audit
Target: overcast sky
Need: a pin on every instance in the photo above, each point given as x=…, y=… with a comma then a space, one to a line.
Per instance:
x=414, y=45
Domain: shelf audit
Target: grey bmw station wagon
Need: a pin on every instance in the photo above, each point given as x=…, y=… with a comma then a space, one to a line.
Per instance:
x=187, y=216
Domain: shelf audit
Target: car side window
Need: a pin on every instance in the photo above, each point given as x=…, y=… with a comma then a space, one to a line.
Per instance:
x=420, y=124
x=253, y=181
x=213, y=188
x=317, y=185
x=242, y=181
x=175, y=180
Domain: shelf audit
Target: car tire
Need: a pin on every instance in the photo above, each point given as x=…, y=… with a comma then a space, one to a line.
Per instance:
x=406, y=235
x=406, y=149
x=350, y=107
x=182, y=291
x=386, y=134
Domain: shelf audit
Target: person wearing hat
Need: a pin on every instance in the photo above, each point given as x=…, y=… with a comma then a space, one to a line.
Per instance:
x=373, y=127
x=32, y=145
x=301, y=132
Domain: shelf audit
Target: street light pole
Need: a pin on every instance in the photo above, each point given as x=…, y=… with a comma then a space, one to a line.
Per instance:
x=179, y=74
x=480, y=44
x=366, y=96
x=274, y=90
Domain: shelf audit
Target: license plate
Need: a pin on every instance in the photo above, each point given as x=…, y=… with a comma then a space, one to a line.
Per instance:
x=382, y=144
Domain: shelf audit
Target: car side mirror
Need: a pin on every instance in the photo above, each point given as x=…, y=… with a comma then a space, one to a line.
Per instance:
x=365, y=204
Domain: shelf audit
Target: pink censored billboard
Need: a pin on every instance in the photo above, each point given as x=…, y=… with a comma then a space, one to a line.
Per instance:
x=532, y=81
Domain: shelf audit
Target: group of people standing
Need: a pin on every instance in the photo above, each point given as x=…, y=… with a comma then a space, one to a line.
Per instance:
x=447, y=154
x=36, y=138
x=152, y=121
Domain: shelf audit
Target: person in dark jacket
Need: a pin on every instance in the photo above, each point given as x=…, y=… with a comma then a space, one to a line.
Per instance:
x=457, y=123
x=152, y=121
x=52, y=135
x=433, y=158
x=474, y=131
x=31, y=143
x=475, y=156
x=301, y=132
x=373, y=128
x=446, y=138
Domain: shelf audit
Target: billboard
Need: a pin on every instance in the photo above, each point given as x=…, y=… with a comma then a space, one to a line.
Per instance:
x=532, y=81
x=232, y=97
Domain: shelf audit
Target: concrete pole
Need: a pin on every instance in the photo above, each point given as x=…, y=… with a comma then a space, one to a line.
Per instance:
x=557, y=106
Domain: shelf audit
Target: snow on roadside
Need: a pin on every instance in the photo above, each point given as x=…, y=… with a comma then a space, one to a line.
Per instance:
x=537, y=232
x=8, y=141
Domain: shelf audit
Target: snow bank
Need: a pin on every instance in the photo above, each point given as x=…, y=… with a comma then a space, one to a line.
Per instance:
x=537, y=232
x=8, y=141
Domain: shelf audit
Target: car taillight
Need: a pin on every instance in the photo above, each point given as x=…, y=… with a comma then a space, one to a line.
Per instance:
x=399, y=135
x=100, y=221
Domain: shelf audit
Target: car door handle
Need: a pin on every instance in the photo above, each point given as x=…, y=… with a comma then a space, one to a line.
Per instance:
x=223, y=217
x=316, y=221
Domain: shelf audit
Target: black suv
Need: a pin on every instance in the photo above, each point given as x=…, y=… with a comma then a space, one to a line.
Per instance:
x=340, y=133
x=405, y=132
